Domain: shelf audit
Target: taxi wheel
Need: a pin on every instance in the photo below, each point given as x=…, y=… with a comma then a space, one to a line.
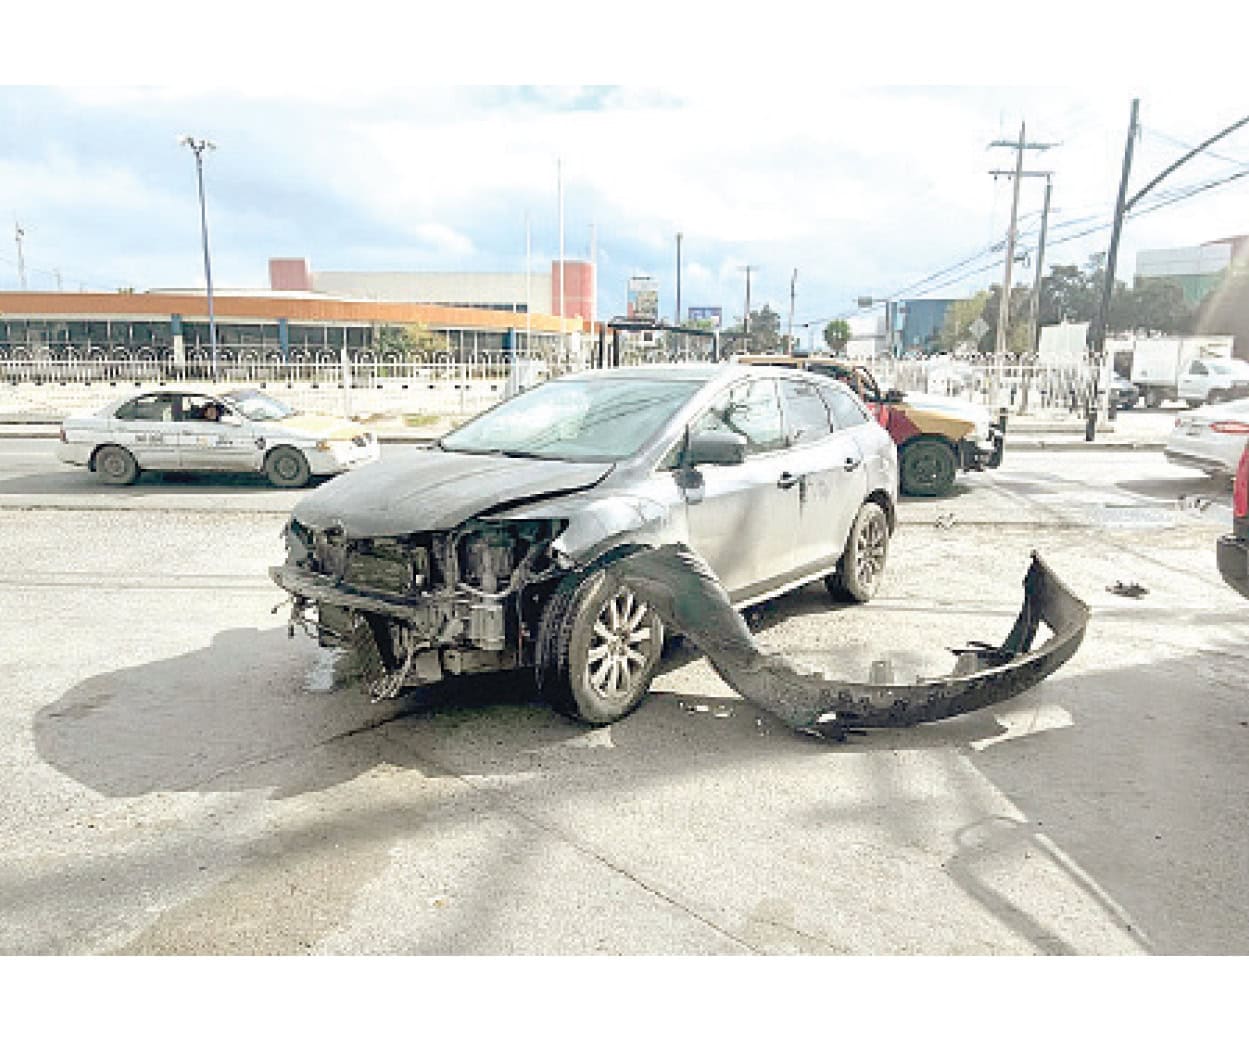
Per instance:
x=928, y=467
x=287, y=468
x=116, y=465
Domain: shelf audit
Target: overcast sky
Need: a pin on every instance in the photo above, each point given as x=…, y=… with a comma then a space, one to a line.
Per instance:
x=864, y=190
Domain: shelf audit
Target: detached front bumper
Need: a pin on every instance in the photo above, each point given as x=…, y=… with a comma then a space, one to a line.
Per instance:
x=685, y=593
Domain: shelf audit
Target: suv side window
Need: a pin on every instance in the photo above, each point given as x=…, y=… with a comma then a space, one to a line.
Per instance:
x=805, y=413
x=846, y=410
x=752, y=409
x=1197, y=369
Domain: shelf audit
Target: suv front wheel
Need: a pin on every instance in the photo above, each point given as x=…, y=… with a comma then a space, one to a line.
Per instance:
x=601, y=646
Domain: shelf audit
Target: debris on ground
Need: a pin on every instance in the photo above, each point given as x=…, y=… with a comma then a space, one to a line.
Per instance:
x=1133, y=589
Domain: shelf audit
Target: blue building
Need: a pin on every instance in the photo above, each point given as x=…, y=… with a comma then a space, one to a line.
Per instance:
x=921, y=322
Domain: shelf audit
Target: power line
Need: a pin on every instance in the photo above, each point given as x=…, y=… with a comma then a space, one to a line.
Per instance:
x=1188, y=148
x=1169, y=197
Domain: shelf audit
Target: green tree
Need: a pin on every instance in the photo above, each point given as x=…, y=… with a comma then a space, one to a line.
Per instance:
x=1154, y=305
x=837, y=335
x=1225, y=312
x=959, y=316
x=765, y=332
x=408, y=340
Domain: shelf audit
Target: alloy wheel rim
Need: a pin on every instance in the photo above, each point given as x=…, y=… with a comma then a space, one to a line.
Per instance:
x=871, y=548
x=620, y=646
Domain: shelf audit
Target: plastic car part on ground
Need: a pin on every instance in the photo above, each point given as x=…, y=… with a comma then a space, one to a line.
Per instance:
x=677, y=583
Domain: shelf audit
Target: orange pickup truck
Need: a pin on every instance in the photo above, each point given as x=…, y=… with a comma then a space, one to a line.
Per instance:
x=936, y=437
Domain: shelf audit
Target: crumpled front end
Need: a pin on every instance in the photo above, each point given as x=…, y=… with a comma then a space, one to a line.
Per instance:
x=689, y=599
x=418, y=607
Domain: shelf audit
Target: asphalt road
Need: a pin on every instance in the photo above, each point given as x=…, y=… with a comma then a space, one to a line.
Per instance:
x=183, y=778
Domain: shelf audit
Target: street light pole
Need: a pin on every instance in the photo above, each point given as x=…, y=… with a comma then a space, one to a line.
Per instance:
x=1097, y=331
x=199, y=147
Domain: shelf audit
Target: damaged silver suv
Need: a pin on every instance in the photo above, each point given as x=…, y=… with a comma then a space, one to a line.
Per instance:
x=488, y=551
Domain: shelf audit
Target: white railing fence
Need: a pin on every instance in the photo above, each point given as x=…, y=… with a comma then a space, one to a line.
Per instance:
x=464, y=382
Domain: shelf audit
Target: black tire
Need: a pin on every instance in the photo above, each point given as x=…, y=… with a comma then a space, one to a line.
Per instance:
x=115, y=465
x=287, y=468
x=928, y=467
x=862, y=565
x=601, y=646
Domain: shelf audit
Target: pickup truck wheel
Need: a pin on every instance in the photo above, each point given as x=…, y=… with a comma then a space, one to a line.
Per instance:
x=601, y=647
x=928, y=467
x=115, y=465
x=287, y=468
x=862, y=565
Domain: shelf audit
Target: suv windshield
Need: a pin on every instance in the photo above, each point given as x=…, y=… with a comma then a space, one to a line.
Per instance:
x=600, y=420
x=257, y=406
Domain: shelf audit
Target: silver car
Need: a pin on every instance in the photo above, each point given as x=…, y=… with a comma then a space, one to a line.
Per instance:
x=487, y=551
x=202, y=429
x=1210, y=438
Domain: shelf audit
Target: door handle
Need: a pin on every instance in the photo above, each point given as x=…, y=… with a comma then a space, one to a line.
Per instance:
x=853, y=464
x=787, y=481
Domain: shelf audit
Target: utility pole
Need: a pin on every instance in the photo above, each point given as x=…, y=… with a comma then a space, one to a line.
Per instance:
x=1097, y=331
x=1040, y=265
x=1003, y=317
x=677, y=319
x=789, y=335
x=20, y=233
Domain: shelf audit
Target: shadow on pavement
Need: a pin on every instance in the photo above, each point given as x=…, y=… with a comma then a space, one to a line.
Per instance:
x=87, y=484
x=1144, y=812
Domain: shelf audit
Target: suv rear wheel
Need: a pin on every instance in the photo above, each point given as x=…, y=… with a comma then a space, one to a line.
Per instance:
x=862, y=565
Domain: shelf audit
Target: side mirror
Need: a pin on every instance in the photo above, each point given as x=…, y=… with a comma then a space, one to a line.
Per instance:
x=717, y=448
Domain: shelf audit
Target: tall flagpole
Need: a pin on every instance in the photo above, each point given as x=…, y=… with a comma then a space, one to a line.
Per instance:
x=559, y=181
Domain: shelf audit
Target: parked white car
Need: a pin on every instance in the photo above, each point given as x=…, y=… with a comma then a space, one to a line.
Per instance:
x=1213, y=380
x=1210, y=439
x=236, y=431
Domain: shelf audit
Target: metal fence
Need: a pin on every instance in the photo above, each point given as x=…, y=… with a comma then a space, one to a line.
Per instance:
x=467, y=380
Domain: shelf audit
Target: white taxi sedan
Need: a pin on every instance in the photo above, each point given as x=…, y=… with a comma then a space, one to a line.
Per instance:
x=242, y=431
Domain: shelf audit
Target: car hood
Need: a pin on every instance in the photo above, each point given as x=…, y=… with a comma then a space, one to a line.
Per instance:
x=435, y=490
x=315, y=426
x=951, y=407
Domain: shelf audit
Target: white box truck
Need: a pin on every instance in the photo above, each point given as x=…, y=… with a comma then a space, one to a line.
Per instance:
x=1160, y=362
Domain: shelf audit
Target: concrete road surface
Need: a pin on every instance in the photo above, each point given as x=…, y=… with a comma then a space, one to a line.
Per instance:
x=182, y=778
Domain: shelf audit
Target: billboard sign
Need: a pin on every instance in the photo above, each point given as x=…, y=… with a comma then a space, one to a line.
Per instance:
x=711, y=314
x=644, y=298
